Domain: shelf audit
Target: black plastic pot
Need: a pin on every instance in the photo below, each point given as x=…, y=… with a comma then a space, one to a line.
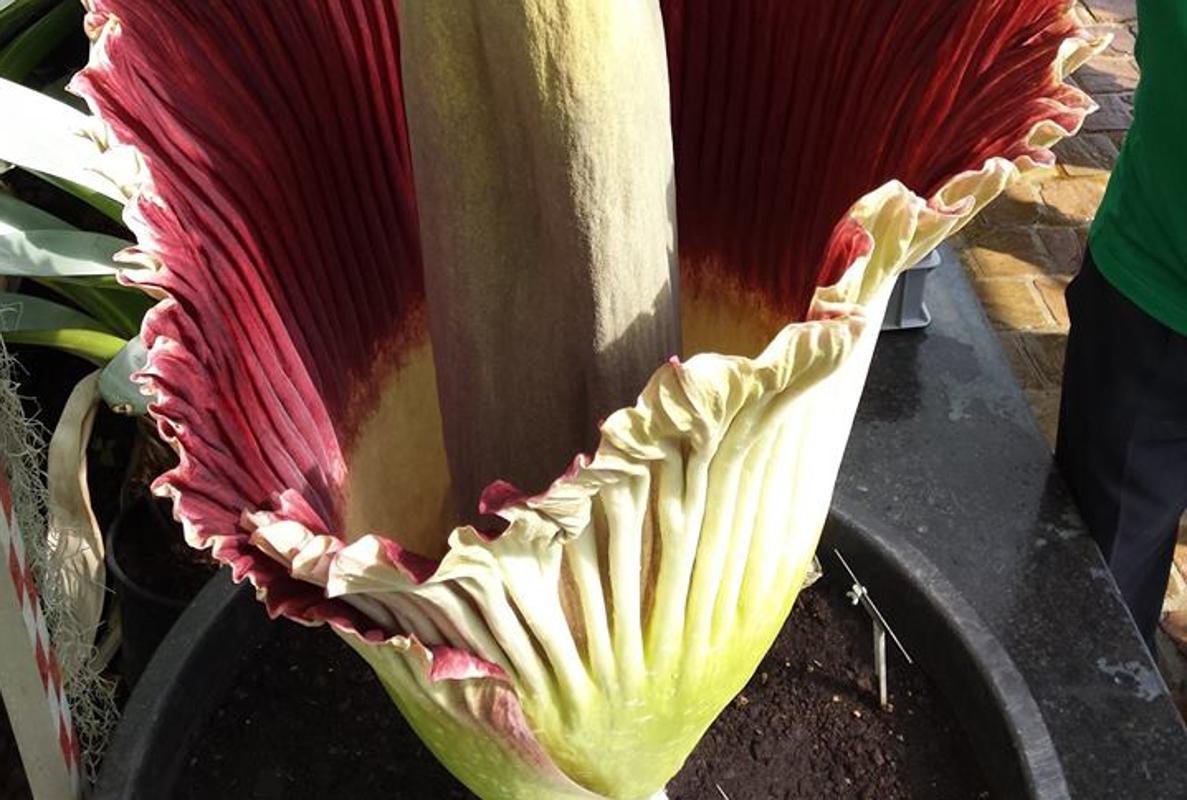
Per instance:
x=145, y=615
x=187, y=679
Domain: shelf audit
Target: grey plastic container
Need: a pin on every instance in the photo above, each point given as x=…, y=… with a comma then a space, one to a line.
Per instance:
x=906, y=309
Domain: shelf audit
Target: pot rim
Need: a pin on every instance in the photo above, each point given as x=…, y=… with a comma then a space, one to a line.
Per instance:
x=134, y=587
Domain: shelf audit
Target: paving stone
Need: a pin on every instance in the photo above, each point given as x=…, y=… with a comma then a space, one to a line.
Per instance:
x=1051, y=289
x=1112, y=10
x=1013, y=303
x=1117, y=137
x=1176, y=590
x=1006, y=252
x=1065, y=248
x=1071, y=201
x=1171, y=658
x=1021, y=364
x=1124, y=41
x=1174, y=612
x=1175, y=604
x=1018, y=205
x=1036, y=357
x=1086, y=154
x=1121, y=101
x=1045, y=405
x=1108, y=74
x=969, y=263
x=1045, y=353
x=1180, y=563
x=1115, y=114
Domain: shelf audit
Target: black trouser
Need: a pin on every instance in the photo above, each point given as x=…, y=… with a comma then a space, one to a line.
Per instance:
x=1122, y=445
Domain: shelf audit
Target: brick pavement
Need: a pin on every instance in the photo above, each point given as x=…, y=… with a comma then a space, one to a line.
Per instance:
x=1022, y=252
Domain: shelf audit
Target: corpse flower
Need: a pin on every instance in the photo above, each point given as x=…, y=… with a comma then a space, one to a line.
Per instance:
x=409, y=257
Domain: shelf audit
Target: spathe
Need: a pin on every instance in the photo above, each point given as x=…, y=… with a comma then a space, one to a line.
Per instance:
x=585, y=649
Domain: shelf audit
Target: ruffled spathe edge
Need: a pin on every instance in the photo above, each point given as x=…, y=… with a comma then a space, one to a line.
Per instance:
x=148, y=270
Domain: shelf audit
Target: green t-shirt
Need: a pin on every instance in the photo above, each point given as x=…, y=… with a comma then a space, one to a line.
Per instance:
x=1139, y=238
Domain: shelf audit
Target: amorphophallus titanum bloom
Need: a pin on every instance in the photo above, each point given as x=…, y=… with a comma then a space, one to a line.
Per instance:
x=403, y=253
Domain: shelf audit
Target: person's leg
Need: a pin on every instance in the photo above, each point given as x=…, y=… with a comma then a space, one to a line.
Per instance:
x=1122, y=441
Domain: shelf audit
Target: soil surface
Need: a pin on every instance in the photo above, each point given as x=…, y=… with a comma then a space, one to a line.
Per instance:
x=308, y=720
x=808, y=725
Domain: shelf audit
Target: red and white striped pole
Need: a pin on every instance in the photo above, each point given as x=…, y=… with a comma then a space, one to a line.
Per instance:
x=30, y=678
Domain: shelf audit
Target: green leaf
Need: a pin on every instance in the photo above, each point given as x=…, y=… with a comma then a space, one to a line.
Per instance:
x=58, y=253
x=20, y=313
x=96, y=198
x=116, y=386
x=120, y=308
x=17, y=215
x=31, y=46
x=16, y=14
x=75, y=264
x=96, y=347
x=51, y=139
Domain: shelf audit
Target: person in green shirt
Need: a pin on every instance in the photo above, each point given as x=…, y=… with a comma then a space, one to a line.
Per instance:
x=1122, y=442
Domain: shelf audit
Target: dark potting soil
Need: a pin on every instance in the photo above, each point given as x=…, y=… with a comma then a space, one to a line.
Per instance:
x=308, y=719
x=808, y=724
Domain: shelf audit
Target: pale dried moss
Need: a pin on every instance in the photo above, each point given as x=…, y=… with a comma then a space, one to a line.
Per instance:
x=22, y=448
